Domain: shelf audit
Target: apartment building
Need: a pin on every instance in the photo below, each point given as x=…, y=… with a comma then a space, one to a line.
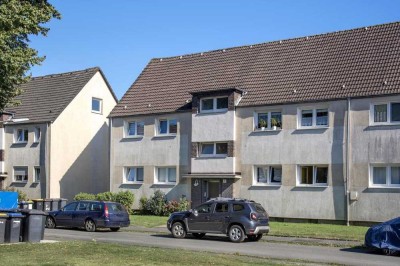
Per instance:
x=309, y=127
x=55, y=143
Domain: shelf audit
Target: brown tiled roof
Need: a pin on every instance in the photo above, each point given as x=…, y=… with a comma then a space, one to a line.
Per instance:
x=44, y=98
x=352, y=63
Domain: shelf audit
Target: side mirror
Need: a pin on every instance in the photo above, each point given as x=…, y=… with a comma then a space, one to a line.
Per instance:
x=195, y=213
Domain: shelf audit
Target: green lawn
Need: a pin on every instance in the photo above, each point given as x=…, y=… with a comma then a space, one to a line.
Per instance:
x=309, y=230
x=92, y=253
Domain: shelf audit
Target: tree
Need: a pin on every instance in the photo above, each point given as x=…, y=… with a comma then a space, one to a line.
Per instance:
x=18, y=20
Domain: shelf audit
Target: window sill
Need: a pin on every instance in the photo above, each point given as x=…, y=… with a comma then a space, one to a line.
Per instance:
x=165, y=135
x=95, y=112
x=267, y=185
x=384, y=187
x=267, y=130
x=165, y=184
x=132, y=183
x=312, y=186
x=134, y=137
x=312, y=128
x=20, y=142
x=385, y=124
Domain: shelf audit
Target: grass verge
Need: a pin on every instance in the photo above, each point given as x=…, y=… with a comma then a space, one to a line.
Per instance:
x=95, y=253
x=306, y=230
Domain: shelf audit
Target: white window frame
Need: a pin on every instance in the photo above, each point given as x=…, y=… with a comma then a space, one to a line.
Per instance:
x=37, y=134
x=27, y=175
x=35, y=177
x=268, y=183
x=389, y=114
x=214, y=150
x=126, y=129
x=314, y=184
x=126, y=172
x=23, y=134
x=156, y=180
x=158, y=128
x=100, y=105
x=314, y=117
x=388, y=176
x=269, y=124
x=215, y=109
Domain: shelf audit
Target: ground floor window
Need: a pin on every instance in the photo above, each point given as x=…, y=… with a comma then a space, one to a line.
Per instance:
x=20, y=174
x=133, y=175
x=166, y=174
x=313, y=175
x=385, y=176
x=268, y=174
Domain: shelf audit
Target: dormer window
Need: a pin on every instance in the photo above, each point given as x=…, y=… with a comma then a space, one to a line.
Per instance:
x=216, y=104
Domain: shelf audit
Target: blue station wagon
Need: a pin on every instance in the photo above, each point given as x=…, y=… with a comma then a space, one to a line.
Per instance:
x=90, y=215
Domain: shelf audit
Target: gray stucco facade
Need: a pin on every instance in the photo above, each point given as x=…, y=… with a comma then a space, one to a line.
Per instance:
x=289, y=148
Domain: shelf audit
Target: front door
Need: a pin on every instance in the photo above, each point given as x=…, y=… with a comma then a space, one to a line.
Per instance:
x=213, y=189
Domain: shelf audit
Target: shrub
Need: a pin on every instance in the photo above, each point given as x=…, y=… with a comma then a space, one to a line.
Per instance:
x=21, y=195
x=106, y=196
x=157, y=202
x=85, y=196
x=143, y=205
x=126, y=198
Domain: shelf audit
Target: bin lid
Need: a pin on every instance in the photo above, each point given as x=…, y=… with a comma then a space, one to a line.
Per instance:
x=32, y=212
x=37, y=200
x=3, y=214
x=15, y=214
x=8, y=200
x=48, y=200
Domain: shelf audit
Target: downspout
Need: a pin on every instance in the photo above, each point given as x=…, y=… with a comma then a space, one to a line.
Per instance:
x=48, y=159
x=109, y=151
x=347, y=184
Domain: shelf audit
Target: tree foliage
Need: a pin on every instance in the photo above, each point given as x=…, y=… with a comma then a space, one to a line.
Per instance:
x=18, y=20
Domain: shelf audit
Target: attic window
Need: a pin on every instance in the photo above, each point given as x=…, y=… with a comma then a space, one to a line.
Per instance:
x=97, y=105
x=217, y=104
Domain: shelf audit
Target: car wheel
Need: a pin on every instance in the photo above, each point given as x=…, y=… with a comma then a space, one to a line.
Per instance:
x=198, y=235
x=90, y=226
x=178, y=231
x=50, y=223
x=236, y=233
x=254, y=237
x=115, y=229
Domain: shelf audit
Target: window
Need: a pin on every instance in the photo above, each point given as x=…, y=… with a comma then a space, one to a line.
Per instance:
x=133, y=174
x=313, y=175
x=21, y=174
x=167, y=127
x=385, y=113
x=96, y=206
x=97, y=105
x=268, y=120
x=313, y=118
x=36, y=177
x=133, y=129
x=238, y=207
x=385, y=176
x=214, y=149
x=21, y=136
x=217, y=104
x=221, y=207
x=37, y=134
x=268, y=175
x=166, y=174
x=205, y=208
x=71, y=206
x=82, y=206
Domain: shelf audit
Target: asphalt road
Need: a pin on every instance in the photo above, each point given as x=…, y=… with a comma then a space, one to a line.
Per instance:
x=346, y=256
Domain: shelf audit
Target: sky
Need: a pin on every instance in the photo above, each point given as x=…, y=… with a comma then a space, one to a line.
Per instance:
x=122, y=36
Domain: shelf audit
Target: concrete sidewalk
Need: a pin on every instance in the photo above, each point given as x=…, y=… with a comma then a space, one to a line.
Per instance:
x=268, y=238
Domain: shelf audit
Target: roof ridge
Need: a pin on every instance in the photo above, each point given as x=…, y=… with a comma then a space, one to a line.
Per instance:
x=275, y=41
x=66, y=73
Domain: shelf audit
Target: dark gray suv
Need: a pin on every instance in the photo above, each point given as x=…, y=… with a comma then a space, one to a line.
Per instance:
x=236, y=218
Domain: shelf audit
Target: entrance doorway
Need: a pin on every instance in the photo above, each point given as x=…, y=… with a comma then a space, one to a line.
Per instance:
x=212, y=189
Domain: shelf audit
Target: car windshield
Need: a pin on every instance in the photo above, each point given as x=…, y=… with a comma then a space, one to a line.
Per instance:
x=258, y=207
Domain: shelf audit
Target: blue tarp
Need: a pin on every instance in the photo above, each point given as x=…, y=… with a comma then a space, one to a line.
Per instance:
x=384, y=236
x=8, y=200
